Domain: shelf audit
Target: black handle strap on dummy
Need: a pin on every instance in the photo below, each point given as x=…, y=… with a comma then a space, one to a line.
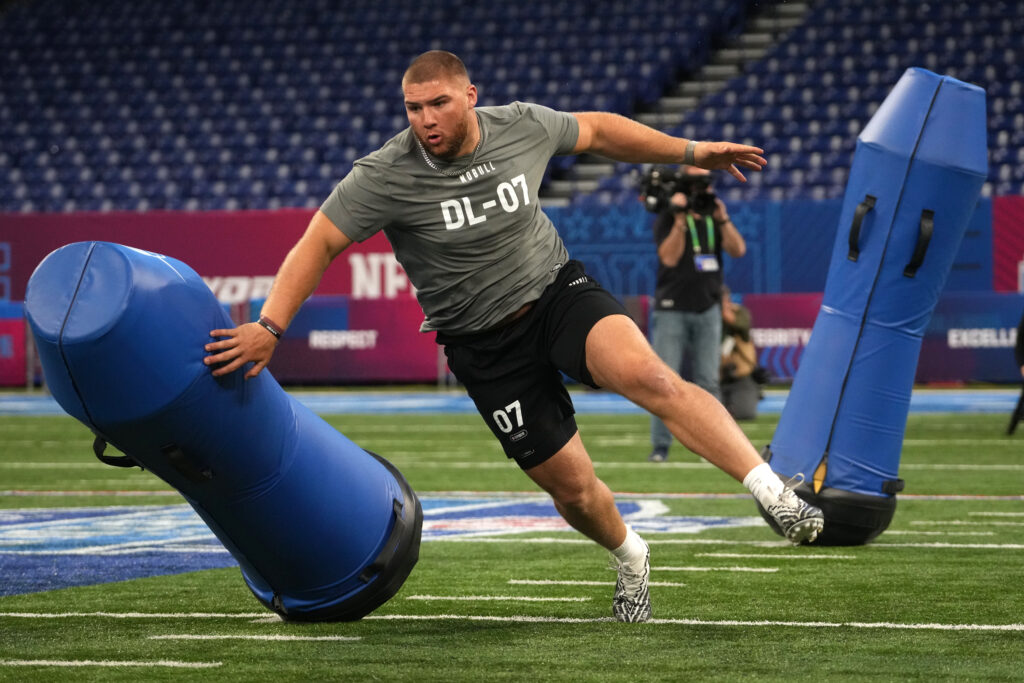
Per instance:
x=99, y=445
x=390, y=546
x=184, y=464
x=858, y=218
x=924, y=237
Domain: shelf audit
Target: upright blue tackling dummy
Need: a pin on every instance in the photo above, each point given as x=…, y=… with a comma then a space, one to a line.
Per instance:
x=322, y=529
x=916, y=177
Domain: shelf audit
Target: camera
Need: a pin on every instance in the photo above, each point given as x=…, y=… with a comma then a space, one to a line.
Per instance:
x=659, y=184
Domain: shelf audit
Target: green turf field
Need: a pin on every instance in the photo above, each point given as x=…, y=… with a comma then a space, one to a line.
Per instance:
x=938, y=596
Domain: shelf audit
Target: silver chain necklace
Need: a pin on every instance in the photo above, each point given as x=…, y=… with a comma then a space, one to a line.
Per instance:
x=450, y=173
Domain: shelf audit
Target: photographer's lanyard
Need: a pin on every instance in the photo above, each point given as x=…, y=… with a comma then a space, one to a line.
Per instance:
x=693, y=234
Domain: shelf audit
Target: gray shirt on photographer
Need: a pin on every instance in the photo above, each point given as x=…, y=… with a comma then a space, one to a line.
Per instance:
x=475, y=244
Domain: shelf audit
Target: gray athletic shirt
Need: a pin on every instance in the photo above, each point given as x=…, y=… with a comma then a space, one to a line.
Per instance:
x=475, y=246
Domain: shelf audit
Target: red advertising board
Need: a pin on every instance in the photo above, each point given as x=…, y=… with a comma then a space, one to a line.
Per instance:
x=236, y=252
x=338, y=340
x=1008, y=244
x=970, y=336
x=12, y=351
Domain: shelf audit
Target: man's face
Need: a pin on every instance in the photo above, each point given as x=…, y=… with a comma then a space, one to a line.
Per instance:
x=440, y=112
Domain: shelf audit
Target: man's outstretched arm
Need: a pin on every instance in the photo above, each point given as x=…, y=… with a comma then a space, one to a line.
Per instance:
x=622, y=139
x=298, y=276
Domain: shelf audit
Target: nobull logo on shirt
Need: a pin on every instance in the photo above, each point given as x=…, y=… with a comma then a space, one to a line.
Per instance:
x=509, y=196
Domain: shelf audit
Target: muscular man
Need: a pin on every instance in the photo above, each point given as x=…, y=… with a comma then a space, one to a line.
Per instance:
x=456, y=194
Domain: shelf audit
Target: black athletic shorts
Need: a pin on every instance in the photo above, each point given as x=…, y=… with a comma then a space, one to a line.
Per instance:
x=512, y=372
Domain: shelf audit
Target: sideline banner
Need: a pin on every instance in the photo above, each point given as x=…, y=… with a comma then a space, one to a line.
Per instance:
x=12, y=345
x=970, y=337
x=1008, y=244
x=237, y=253
x=339, y=340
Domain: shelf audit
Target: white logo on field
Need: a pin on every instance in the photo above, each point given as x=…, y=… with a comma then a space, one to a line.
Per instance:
x=131, y=530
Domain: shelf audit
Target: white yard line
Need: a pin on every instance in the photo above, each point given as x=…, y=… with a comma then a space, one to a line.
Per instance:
x=26, y=493
x=467, y=617
x=955, y=546
x=85, y=464
x=754, y=570
x=914, y=532
x=997, y=514
x=704, y=622
x=622, y=495
x=193, y=636
x=963, y=467
x=554, y=582
x=960, y=442
x=768, y=556
x=493, y=598
x=117, y=664
x=133, y=615
x=718, y=541
x=963, y=523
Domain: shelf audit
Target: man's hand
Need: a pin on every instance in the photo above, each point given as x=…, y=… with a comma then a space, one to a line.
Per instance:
x=726, y=156
x=720, y=215
x=244, y=344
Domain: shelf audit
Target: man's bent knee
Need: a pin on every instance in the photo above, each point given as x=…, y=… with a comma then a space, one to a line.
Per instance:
x=652, y=382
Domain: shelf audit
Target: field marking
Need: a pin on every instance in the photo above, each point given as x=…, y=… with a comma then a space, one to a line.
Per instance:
x=493, y=598
x=650, y=541
x=506, y=464
x=718, y=541
x=637, y=495
x=963, y=523
x=176, y=545
x=109, y=663
x=623, y=495
x=769, y=556
x=997, y=514
x=755, y=570
x=704, y=622
x=134, y=615
x=514, y=619
x=619, y=495
x=958, y=442
x=913, y=532
x=23, y=493
x=556, y=582
x=85, y=464
x=969, y=546
x=963, y=467
x=192, y=636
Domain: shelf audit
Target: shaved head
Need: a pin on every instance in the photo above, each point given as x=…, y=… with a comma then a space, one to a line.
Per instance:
x=436, y=65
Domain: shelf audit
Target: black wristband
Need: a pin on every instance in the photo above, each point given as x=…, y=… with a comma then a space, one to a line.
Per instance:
x=266, y=324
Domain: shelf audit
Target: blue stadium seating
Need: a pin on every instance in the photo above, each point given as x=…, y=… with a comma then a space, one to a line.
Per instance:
x=260, y=104
x=830, y=74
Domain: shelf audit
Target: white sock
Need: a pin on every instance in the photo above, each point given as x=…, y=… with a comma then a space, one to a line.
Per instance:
x=764, y=484
x=633, y=549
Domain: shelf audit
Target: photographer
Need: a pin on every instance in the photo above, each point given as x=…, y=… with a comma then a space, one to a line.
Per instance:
x=692, y=230
x=742, y=375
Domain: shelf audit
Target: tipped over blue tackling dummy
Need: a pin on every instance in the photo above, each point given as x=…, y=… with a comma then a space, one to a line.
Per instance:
x=322, y=529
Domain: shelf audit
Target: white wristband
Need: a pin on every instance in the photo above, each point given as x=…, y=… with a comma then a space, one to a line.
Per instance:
x=688, y=154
